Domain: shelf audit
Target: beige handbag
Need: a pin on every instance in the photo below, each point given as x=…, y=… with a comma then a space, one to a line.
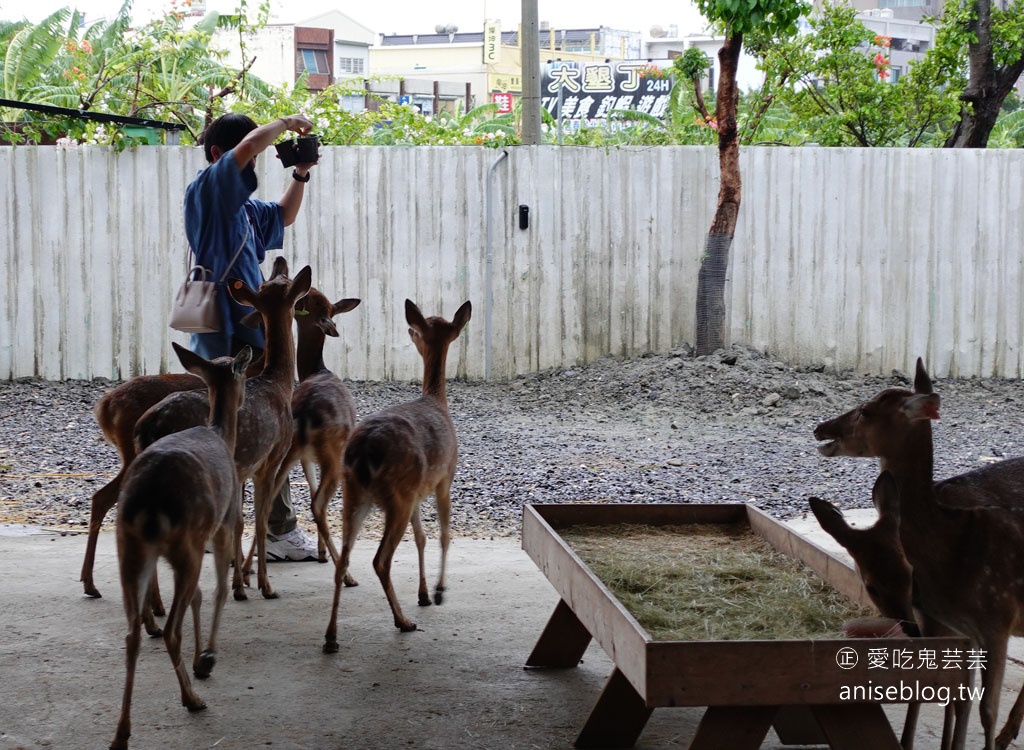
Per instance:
x=195, y=307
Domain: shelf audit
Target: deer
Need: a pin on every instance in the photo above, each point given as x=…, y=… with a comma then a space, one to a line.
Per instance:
x=179, y=493
x=323, y=412
x=887, y=576
x=264, y=421
x=963, y=536
x=396, y=458
x=117, y=412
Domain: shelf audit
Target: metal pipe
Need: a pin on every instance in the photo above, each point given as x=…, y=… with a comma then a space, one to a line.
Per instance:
x=488, y=264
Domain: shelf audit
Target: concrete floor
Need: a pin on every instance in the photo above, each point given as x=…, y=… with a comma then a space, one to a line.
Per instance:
x=457, y=682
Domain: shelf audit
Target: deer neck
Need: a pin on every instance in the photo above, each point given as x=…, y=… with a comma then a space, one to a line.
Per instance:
x=309, y=356
x=433, y=377
x=279, y=354
x=224, y=418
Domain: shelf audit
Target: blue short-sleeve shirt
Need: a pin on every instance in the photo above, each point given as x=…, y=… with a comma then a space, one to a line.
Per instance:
x=218, y=214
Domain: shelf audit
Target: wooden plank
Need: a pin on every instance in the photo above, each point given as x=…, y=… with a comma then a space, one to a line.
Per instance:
x=562, y=642
x=654, y=514
x=617, y=631
x=856, y=726
x=617, y=718
x=837, y=573
x=736, y=728
x=793, y=672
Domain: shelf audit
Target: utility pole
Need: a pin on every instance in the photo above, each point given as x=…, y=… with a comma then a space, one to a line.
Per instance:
x=529, y=45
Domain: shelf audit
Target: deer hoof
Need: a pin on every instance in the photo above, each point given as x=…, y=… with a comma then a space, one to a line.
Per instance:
x=439, y=595
x=268, y=594
x=93, y=592
x=153, y=631
x=350, y=581
x=207, y=660
x=240, y=595
x=425, y=599
x=158, y=609
x=330, y=647
x=195, y=704
x=406, y=627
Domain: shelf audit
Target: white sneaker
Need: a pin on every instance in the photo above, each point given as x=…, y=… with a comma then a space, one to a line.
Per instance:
x=295, y=546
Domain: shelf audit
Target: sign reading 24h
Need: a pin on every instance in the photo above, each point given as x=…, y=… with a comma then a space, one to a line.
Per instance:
x=588, y=92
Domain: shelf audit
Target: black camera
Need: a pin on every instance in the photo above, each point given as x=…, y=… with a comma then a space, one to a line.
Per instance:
x=302, y=150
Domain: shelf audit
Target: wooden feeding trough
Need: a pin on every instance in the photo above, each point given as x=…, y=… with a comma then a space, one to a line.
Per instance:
x=802, y=687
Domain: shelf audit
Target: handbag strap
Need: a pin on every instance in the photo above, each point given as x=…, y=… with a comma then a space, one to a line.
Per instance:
x=248, y=228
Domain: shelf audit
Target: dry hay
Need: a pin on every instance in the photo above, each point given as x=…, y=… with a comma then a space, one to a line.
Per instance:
x=710, y=582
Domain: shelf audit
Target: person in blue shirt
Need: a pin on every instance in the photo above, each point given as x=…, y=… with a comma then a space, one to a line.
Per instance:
x=228, y=230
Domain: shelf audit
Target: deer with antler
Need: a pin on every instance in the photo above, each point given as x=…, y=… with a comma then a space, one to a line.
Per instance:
x=323, y=411
x=887, y=576
x=179, y=493
x=396, y=458
x=962, y=536
x=264, y=421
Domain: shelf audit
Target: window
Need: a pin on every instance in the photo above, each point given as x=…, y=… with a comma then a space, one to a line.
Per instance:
x=351, y=65
x=315, y=61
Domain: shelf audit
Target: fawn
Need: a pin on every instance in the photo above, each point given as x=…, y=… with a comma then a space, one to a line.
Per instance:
x=887, y=576
x=323, y=412
x=966, y=555
x=264, y=421
x=397, y=457
x=177, y=494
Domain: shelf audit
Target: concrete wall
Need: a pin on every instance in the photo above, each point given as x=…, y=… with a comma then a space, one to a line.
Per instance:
x=866, y=258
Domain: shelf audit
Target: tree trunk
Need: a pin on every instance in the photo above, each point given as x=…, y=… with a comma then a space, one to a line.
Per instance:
x=987, y=85
x=715, y=263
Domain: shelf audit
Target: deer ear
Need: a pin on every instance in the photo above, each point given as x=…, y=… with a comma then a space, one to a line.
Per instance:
x=462, y=315
x=189, y=359
x=922, y=382
x=301, y=284
x=241, y=361
x=252, y=320
x=830, y=519
x=413, y=316
x=344, y=305
x=326, y=325
x=923, y=406
x=241, y=293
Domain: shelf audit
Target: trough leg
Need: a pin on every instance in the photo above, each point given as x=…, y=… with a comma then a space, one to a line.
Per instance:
x=733, y=727
x=562, y=642
x=855, y=726
x=617, y=718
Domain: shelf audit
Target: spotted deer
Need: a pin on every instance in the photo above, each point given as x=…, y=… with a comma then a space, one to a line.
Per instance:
x=117, y=412
x=177, y=495
x=323, y=412
x=396, y=458
x=887, y=576
x=962, y=536
x=264, y=421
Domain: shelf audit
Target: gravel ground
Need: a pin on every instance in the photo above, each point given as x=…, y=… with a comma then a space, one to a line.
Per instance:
x=735, y=426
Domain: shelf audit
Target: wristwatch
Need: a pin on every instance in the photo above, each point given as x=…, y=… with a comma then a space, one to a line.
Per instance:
x=295, y=176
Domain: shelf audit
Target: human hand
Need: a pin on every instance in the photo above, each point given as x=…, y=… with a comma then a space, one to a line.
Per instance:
x=298, y=123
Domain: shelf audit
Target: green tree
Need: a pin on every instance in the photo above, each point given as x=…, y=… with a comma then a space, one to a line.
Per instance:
x=736, y=18
x=994, y=40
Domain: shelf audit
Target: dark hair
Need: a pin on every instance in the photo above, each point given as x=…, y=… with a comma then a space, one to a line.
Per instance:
x=226, y=132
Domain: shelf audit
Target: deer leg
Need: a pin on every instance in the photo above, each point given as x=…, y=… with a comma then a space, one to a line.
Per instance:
x=396, y=520
x=910, y=726
x=992, y=682
x=262, y=485
x=135, y=569
x=421, y=542
x=353, y=515
x=444, y=522
x=320, y=496
x=1012, y=726
x=104, y=499
x=237, y=579
x=186, y=592
x=223, y=549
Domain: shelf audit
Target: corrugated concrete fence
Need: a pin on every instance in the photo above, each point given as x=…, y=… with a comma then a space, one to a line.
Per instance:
x=864, y=258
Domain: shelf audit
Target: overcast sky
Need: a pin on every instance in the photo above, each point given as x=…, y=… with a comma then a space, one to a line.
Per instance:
x=413, y=16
